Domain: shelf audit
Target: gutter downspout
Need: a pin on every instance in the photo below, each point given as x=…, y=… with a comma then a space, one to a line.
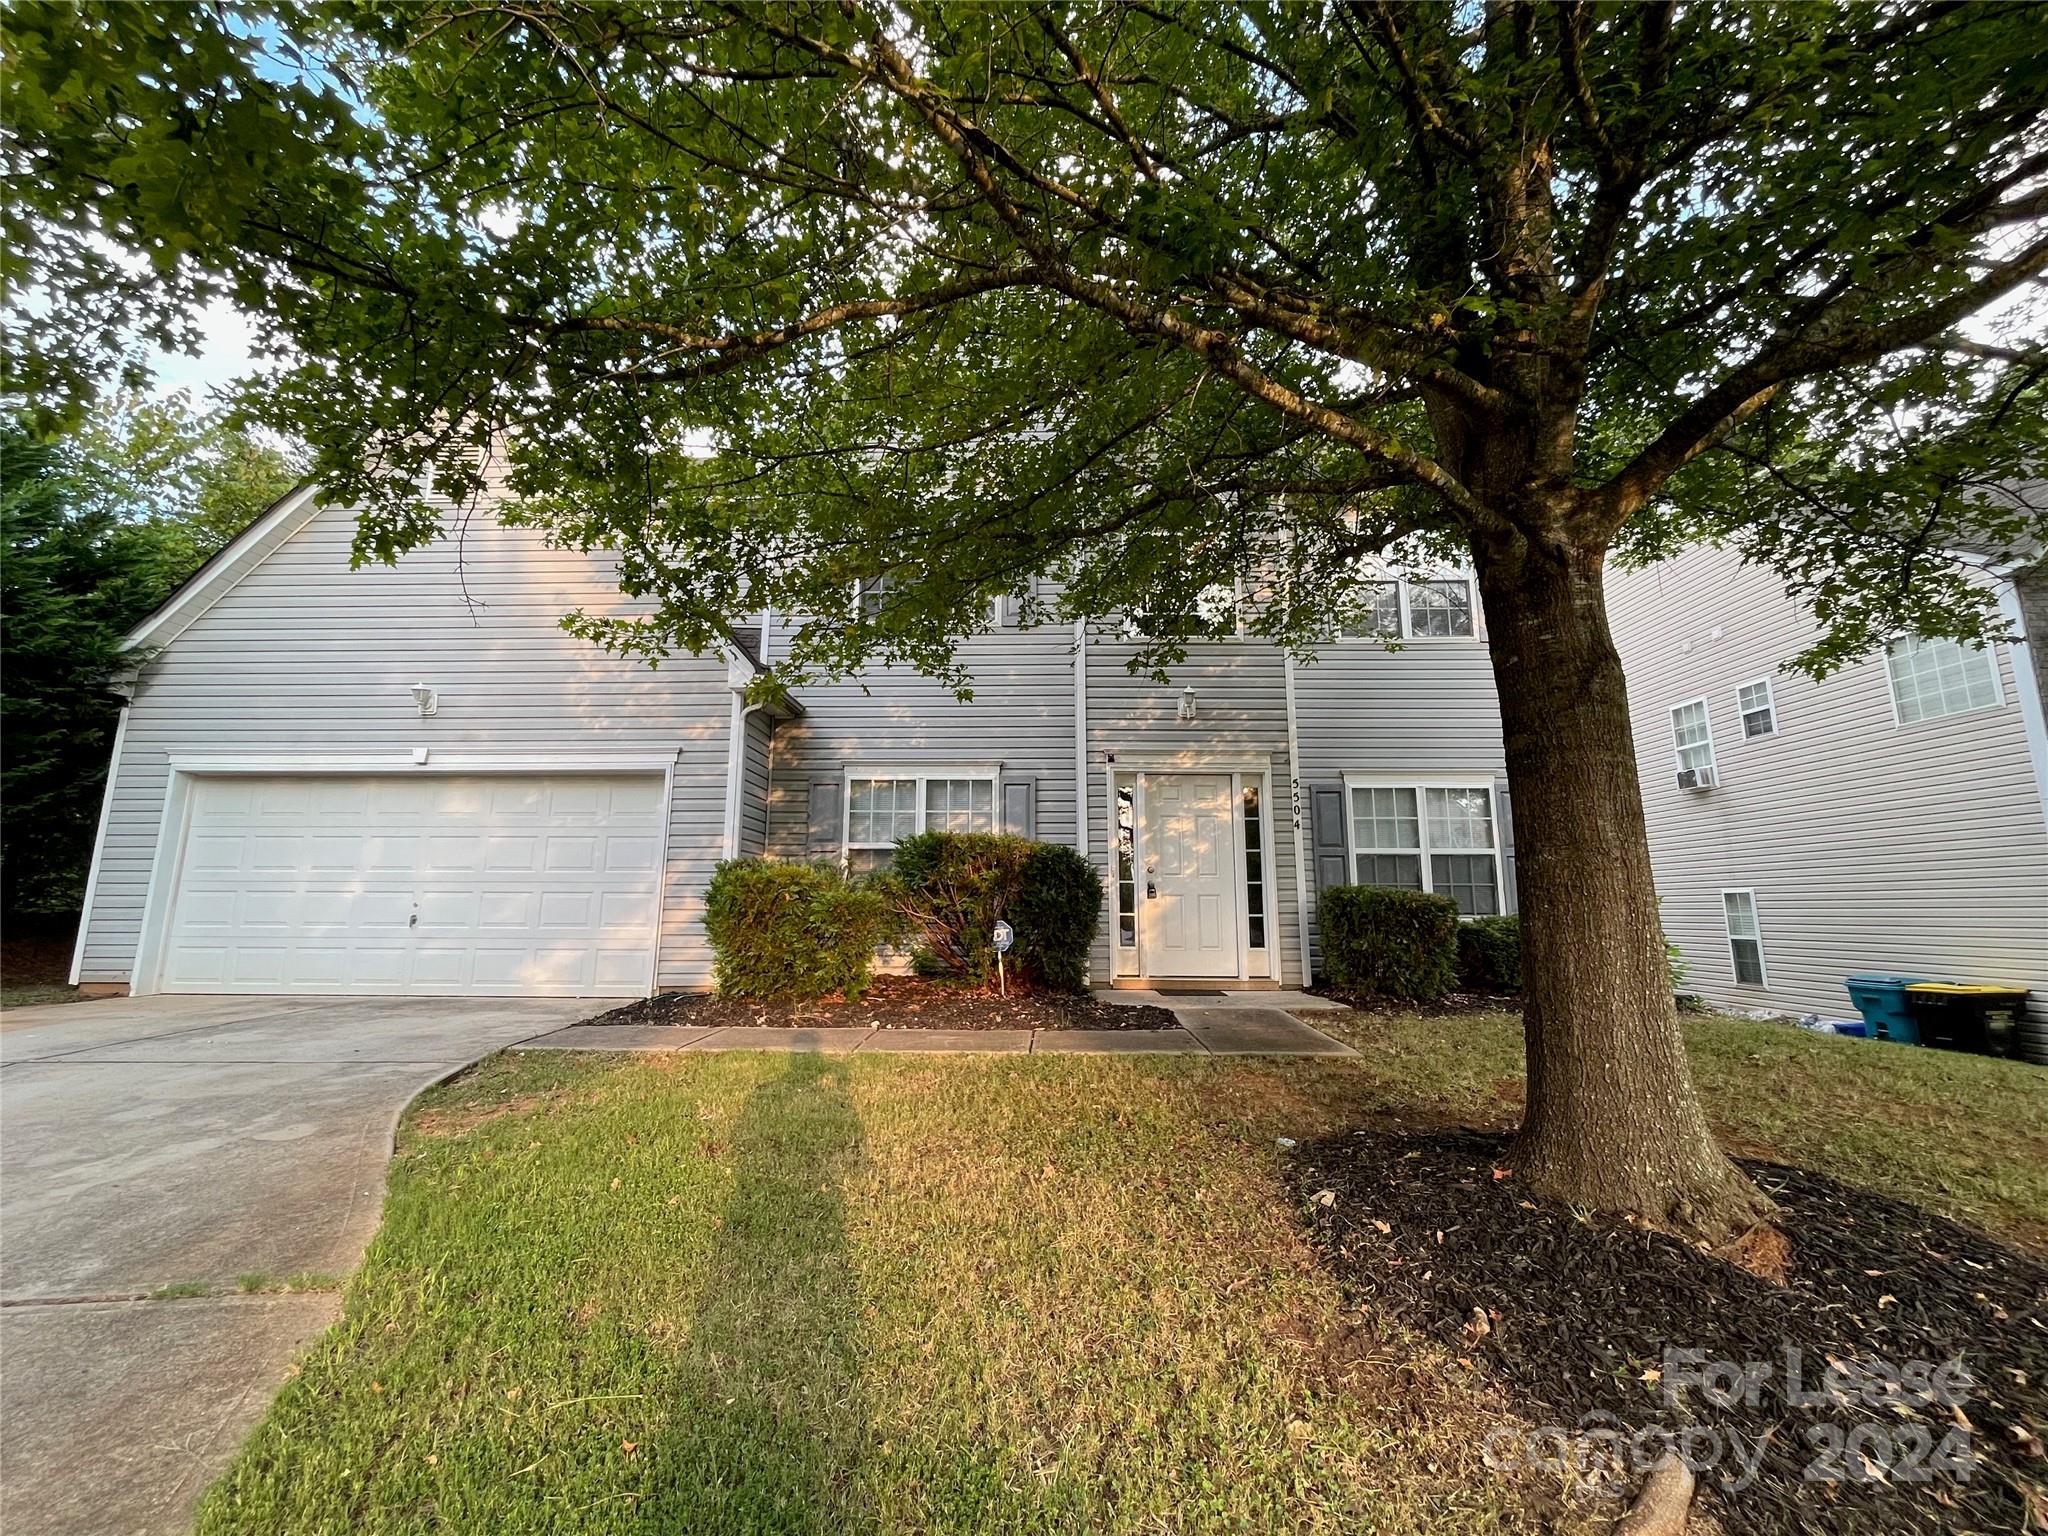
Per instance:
x=735, y=769
x=1294, y=809
x=1081, y=737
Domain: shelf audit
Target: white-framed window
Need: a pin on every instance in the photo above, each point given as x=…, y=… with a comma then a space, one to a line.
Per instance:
x=1439, y=837
x=1758, y=708
x=1692, y=738
x=871, y=595
x=1254, y=868
x=882, y=808
x=1416, y=608
x=1126, y=864
x=1745, y=937
x=1933, y=678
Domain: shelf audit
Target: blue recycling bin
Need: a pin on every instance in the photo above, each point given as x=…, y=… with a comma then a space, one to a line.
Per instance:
x=1882, y=1002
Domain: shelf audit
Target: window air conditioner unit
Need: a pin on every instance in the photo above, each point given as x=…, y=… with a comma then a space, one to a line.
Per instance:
x=1695, y=778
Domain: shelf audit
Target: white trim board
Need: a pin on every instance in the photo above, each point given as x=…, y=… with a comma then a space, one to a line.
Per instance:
x=437, y=762
x=934, y=770
x=220, y=575
x=1194, y=760
x=2021, y=653
x=99, y=846
x=1294, y=821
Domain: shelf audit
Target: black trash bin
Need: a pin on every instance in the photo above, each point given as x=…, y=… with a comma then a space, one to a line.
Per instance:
x=1966, y=1018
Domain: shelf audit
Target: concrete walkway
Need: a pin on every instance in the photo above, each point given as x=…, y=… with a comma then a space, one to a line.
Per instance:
x=1218, y=1024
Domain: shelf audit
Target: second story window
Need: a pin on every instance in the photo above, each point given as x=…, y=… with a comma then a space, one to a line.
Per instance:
x=1439, y=609
x=1758, y=709
x=1933, y=678
x=872, y=593
x=1414, y=608
x=1692, y=737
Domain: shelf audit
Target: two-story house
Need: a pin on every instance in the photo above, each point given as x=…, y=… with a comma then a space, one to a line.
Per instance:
x=412, y=779
x=1889, y=819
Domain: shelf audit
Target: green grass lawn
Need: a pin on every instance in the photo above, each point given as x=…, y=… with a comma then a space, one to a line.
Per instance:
x=1964, y=1135
x=36, y=993
x=755, y=1293
x=759, y=1293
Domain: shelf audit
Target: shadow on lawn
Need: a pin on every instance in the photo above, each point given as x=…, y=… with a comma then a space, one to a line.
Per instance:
x=766, y=1427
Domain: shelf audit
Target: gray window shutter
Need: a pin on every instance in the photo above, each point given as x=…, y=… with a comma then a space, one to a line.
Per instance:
x=826, y=824
x=1020, y=807
x=1326, y=832
x=1504, y=829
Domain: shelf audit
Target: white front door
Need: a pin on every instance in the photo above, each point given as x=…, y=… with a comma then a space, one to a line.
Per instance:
x=1187, y=885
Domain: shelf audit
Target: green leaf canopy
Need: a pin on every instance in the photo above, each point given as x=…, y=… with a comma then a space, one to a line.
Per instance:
x=1150, y=298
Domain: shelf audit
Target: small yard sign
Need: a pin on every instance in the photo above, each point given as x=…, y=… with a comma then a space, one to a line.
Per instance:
x=1005, y=936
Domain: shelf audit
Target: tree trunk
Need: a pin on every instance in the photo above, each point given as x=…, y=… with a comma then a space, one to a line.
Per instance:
x=1612, y=1119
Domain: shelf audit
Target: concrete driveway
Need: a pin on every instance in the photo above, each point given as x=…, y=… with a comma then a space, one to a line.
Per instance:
x=185, y=1142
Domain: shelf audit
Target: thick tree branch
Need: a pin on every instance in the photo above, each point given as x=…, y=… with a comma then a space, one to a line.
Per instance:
x=1219, y=349
x=1826, y=343
x=729, y=351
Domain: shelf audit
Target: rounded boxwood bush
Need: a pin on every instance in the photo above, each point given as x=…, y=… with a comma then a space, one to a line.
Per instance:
x=1388, y=942
x=789, y=932
x=1055, y=912
x=1490, y=954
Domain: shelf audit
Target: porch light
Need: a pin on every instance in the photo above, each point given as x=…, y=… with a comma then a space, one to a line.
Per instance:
x=428, y=701
x=1186, y=713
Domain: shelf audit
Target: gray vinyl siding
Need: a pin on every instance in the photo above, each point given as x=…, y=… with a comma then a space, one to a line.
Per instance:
x=1427, y=709
x=1870, y=846
x=1020, y=719
x=304, y=656
x=1241, y=711
x=757, y=773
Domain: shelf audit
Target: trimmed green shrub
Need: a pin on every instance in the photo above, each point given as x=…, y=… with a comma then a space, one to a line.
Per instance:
x=1490, y=954
x=1389, y=942
x=788, y=932
x=949, y=889
x=1055, y=913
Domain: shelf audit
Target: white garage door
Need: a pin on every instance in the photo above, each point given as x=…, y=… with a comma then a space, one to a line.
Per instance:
x=527, y=885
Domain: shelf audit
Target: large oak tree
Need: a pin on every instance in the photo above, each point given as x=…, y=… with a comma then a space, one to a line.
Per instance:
x=1149, y=297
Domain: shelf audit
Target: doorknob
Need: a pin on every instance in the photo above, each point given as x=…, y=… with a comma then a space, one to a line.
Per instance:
x=1151, y=891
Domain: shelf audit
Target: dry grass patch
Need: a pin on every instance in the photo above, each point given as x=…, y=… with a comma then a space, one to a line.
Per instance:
x=798, y=1293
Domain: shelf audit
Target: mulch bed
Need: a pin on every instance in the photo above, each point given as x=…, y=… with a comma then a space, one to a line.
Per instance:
x=1574, y=1316
x=36, y=950
x=896, y=1002
x=1450, y=1005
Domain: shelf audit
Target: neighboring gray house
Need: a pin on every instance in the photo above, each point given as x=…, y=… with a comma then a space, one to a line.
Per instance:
x=411, y=779
x=1890, y=819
